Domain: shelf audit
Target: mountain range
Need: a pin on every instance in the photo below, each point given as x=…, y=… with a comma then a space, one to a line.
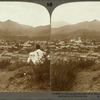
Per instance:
x=86, y=30
x=58, y=24
x=10, y=29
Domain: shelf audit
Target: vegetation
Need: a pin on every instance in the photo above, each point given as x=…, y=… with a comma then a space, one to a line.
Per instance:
x=40, y=74
x=16, y=65
x=28, y=76
x=64, y=73
x=4, y=64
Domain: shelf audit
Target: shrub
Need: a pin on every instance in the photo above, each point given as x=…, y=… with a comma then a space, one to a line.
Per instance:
x=96, y=67
x=33, y=77
x=86, y=63
x=63, y=73
x=16, y=65
x=40, y=72
x=4, y=64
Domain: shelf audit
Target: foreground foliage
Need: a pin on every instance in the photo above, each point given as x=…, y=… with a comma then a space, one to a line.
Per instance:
x=63, y=73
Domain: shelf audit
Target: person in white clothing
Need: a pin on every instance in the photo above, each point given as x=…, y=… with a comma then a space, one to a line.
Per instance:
x=37, y=56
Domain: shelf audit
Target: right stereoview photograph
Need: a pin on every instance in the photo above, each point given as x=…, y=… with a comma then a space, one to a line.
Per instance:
x=75, y=47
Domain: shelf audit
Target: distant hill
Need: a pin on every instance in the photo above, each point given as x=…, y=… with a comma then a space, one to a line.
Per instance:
x=59, y=24
x=14, y=29
x=84, y=29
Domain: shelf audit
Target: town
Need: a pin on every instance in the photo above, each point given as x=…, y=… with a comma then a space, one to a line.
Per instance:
x=76, y=48
x=18, y=50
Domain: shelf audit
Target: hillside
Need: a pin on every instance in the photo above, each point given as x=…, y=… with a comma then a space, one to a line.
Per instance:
x=88, y=80
x=12, y=29
x=84, y=29
x=21, y=77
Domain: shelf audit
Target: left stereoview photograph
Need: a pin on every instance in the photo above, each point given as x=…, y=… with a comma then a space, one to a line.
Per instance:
x=24, y=47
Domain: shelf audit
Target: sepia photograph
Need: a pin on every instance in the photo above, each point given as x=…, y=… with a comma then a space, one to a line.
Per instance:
x=24, y=47
x=75, y=47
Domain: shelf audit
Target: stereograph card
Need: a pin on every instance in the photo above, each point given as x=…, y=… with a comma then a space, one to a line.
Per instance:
x=50, y=49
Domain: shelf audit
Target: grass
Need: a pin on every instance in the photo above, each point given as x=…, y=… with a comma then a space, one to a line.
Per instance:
x=33, y=77
x=16, y=65
x=40, y=73
x=63, y=73
x=4, y=64
x=28, y=76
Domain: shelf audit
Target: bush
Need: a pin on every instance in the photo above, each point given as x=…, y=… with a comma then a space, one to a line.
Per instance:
x=96, y=67
x=33, y=77
x=63, y=73
x=4, y=64
x=85, y=63
x=16, y=65
x=40, y=72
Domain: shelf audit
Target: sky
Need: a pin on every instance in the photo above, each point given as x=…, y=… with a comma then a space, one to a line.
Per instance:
x=31, y=14
x=76, y=12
